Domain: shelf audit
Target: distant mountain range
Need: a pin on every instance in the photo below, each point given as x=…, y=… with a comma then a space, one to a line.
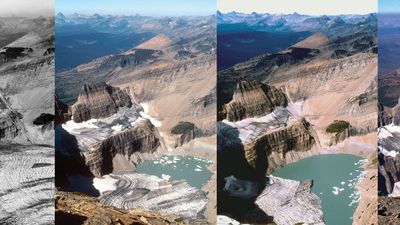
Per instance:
x=242, y=36
x=82, y=38
x=132, y=23
x=389, y=43
x=291, y=22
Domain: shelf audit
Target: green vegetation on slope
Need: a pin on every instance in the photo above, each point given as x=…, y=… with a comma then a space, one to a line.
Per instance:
x=337, y=126
x=182, y=128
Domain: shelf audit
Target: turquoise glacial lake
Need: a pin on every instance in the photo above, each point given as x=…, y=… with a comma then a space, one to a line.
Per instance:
x=192, y=169
x=335, y=177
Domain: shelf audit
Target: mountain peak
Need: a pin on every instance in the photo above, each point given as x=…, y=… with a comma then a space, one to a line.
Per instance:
x=158, y=42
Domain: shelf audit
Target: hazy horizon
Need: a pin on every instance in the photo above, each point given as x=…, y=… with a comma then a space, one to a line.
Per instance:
x=132, y=14
x=143, y=7
x=248, y=13
x=27, y=8
x=305, y=7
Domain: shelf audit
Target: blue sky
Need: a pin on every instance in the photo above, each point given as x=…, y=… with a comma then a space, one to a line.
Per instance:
x=143, y=7
x=389, y=6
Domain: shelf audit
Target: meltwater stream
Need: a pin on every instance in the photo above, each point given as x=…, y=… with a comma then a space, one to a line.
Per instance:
x=335, y=177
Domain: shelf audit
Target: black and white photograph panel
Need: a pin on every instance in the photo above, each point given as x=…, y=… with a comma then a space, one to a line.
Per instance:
x=26, y=112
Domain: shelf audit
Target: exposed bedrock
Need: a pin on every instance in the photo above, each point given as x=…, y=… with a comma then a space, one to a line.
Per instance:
x=184, y=132
x=385, y=116
x=72, y=208
x=62, y=112
x=275, y=149
x=98, y=101
x=389, y=210
x=143, y=138
x=10, y=121
x=388, y=154
x=346, y=133
x=388, y=173
x=9, y=128
x=253, y=98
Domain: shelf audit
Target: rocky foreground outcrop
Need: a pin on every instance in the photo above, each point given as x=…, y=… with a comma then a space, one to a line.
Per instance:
x=252, y=99
x=389, y=210
x=73, y=208
x=142, y=138
x=97, y=101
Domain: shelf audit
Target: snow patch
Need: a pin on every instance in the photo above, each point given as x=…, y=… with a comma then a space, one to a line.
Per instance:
x=104, y=184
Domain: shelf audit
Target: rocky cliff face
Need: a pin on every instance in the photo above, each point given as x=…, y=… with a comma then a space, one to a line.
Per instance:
x=275, y=149
x=62, y=112
x=10, y=124
x=97, y=101
x=143, y=138
x=184, y=132
x=388, y=88
x=388, y=153
x=385, y=116
x=72, y=208
x=252, y=99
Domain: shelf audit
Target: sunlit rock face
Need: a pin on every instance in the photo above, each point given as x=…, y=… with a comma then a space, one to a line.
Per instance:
x=253, y=98
x=98, y=101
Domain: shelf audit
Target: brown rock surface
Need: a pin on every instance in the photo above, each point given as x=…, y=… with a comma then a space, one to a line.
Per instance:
x=73, y=208
x=252, y=99
x=275, y=149
x=97, y=101
x=389, y=211
x=366, y=212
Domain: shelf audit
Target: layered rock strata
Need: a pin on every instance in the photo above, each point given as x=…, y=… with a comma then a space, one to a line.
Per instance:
x=277, y=148
x=97, y=101
x=142, y=138
x=10, y=124
x=252, y=99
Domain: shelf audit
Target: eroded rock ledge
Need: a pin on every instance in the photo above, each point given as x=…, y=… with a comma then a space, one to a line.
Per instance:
x=98, y=101
x=280, y=147
x=253, y=98
x=143, y=138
